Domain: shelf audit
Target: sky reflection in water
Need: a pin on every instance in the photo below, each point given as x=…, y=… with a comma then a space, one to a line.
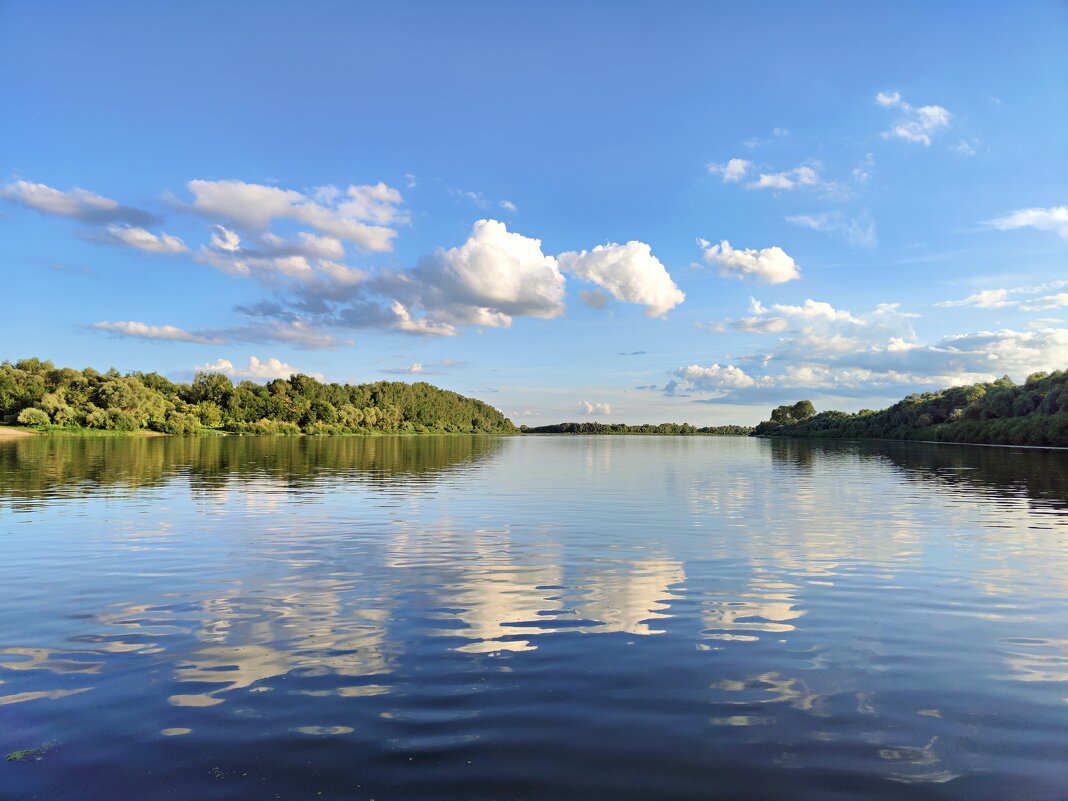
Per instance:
x=533, y=618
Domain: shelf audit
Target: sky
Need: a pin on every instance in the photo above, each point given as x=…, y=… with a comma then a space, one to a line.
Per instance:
x=628, y=212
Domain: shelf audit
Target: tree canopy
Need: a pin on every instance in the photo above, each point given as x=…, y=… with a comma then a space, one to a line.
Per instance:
x=998, y=413
x=37, y=393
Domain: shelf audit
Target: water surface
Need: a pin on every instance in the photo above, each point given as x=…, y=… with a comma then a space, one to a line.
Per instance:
x=532, y=618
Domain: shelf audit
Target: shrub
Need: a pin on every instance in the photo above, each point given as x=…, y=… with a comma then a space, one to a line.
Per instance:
x=33, y=417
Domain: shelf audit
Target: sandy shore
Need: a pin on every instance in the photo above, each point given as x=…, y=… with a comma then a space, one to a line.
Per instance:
x=6, y=432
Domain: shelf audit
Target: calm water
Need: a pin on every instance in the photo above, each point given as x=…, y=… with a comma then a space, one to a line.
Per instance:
x=532, y=618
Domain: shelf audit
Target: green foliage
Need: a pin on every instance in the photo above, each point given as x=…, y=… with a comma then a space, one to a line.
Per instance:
x=677, y=429
x=36, y=393
x=33, y=417
x=997, y=413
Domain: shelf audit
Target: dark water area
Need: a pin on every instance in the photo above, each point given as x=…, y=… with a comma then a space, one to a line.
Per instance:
x=532, y=618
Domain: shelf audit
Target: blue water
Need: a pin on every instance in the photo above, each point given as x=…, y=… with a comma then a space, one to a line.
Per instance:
x=532, y=618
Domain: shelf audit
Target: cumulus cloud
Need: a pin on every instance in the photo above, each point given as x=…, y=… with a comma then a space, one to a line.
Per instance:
x=857, y=231
x=508, y=205
x=585, y=407
x=140, y=239
x=79, y=204
x=733, y=171
x=1053, y=219
x=255, y=370
x=916, y=124
x=145, y=331
x=487, y=281
x=629, y=272
x=769, y=265
x=494, y=276
x=360, y=214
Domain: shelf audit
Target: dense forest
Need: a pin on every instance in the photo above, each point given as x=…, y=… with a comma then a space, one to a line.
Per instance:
x=680, y=429
x=38, y=394
x=996, y=413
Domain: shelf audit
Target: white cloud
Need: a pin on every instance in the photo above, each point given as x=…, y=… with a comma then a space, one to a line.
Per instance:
x=585, y=407
x=410, y=325
x=916, y=125
x=966, y=148
x=145, y=331
x=769, y=265
x=141, y=239
x=494, y=276
x=630, y=272
x=733, y=171
x=857, y=231
x=714, y=379
x=1053, y=219
x=816, y=310
x=816, y=324
x=271, y=255
x=415, y=368
x=256, y=370
x=294, y=332
x=853, y=354
x=77, y=203
x=360, y=214
x=1024, y=298
x=888, y=99
x=802, y=175
x=508, y=205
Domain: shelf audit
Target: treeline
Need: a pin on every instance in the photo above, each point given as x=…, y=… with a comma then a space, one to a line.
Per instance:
x=996, y=413
x=37, y=393
x=680, y=429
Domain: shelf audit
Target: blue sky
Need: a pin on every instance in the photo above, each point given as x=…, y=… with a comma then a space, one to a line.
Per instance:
x=619, y=211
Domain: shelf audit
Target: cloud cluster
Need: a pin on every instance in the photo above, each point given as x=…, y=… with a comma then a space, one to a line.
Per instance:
x=487, y=281
x=768, y=265
x=111, y=222
x=916, y=124
x=835, y=351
